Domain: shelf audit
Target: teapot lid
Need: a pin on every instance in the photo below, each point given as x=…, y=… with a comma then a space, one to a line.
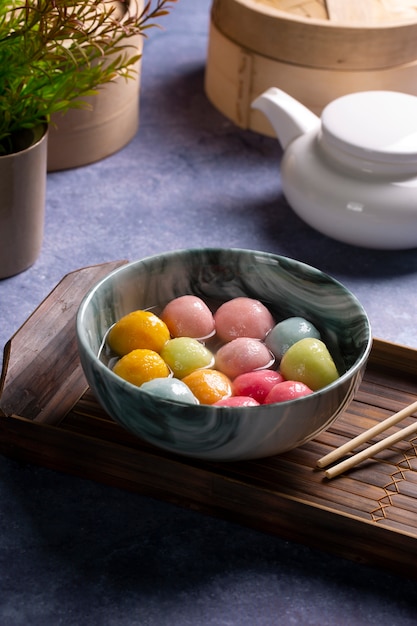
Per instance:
x=379, y=126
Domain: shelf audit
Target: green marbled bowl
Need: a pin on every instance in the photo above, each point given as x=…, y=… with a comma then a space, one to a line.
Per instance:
x=287, y=287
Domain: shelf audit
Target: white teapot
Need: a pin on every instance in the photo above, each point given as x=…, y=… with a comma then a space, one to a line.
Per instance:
x=352, y=174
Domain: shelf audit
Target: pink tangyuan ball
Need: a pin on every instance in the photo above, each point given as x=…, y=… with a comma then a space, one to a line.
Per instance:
x=243, y=317
x=241, y=355
x=188, y=316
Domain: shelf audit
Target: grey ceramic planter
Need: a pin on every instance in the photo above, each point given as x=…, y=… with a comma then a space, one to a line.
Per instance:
x=22, y=205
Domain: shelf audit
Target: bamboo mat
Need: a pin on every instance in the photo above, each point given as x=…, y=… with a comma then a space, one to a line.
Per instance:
x=48, y=416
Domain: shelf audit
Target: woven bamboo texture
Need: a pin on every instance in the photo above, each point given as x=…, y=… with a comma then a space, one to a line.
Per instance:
x=373, y=11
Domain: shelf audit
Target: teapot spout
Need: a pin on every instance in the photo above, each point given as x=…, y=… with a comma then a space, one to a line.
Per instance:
x=288, y=117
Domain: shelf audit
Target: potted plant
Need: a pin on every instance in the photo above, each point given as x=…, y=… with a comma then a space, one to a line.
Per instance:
x=54, y=54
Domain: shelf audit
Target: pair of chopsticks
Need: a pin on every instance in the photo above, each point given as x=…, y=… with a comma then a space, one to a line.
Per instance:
x=355, y=459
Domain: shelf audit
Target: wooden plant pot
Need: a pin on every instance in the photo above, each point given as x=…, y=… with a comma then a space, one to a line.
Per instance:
x=83, y=136
x=22, y=205
x=293, y=45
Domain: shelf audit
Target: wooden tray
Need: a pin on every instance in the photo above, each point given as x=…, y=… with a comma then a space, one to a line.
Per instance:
x=49, y=416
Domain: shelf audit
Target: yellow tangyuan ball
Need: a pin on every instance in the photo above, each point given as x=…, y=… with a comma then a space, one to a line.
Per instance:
x=137, y=330
x=140, y=366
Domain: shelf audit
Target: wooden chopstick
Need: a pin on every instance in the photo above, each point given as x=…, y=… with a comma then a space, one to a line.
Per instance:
x=363, y=438
x=368, y=452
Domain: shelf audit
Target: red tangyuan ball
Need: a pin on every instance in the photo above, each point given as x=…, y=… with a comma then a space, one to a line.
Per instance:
x=287, y=390
x=256, y=384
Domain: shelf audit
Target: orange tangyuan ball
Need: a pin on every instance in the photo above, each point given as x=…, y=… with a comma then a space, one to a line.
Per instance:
x=137, y=330
x=141, y=366
x=208, y=385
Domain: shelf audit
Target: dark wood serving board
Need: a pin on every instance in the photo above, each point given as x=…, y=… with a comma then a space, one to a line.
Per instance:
x=49, y=416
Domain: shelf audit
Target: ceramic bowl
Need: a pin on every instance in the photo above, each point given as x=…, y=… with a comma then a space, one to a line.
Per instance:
x=287, y=287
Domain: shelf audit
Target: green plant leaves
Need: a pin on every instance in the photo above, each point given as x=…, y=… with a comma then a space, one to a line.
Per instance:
x=54, y=53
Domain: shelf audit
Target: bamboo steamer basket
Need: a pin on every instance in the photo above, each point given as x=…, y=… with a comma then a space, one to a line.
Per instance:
x=110, y=119
x=316, y=50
